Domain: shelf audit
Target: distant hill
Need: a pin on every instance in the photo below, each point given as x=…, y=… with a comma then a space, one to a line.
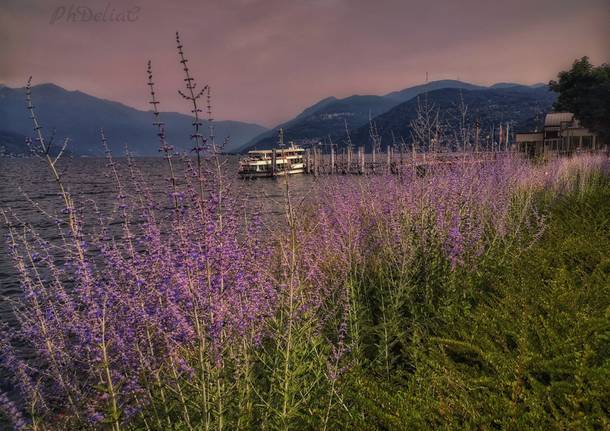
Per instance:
x=327, y=117
x=79, y=116
x=15, y=145
x=522, y=106
x=411, y=92
x=270, y=136
x=12, y=144
x=516, y=85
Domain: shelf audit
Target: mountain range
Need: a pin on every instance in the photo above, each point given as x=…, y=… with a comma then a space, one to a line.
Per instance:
x=329, y=116
x=518, y=104
x=521, y=107
x=80, y=116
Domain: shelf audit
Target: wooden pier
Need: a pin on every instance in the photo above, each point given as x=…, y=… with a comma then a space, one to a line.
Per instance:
x=392, y=161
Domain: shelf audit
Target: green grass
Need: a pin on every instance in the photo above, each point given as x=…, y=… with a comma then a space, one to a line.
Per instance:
x=522, y=342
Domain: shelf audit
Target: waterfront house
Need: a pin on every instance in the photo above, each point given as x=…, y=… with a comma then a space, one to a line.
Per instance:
x=562, y=134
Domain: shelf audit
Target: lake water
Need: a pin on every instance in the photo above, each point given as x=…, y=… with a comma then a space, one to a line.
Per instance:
x=25, y=180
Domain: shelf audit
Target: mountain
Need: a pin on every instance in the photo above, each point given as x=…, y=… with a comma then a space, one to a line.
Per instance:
x=80, y=116
x=313, y=108
x=522, y=106
x=515, y=85
x=270, y=136
x=12, y=144
x=411, y=92
x=327, y=117
x=15, y=145
x=500, y=85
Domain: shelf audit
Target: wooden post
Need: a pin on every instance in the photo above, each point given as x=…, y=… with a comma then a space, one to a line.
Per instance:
x=312, y=168
x=413, y=157
x=389, y=162
x=308, y=161
x=273, y=162
x=374, y=154
x=349, y=160
x=401, y=157
x=363, y=161
x=320, y=162
x=321, y=165
x=332, y=160
x=361, y=157
x=477, y=135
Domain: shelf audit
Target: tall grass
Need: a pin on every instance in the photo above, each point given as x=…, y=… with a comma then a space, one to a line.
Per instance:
x=377, y=303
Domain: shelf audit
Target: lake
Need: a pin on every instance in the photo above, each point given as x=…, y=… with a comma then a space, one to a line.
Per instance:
x=24, y=181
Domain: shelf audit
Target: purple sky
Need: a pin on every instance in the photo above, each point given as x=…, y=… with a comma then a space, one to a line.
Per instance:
x=266, y=60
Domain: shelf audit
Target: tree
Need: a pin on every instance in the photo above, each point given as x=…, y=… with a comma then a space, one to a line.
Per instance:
x=585, y=91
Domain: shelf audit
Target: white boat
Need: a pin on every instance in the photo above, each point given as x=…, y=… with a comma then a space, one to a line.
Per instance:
x=272, y=163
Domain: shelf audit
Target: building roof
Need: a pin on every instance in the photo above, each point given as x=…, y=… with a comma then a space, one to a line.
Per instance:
x=278, y=150
x=556, y=118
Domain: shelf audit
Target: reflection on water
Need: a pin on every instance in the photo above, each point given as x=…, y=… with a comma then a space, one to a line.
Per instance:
x=23, y=181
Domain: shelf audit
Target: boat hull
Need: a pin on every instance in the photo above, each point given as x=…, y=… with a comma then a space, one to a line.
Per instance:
x=252, y=175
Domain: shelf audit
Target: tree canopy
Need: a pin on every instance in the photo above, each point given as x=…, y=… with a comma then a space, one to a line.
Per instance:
x=585, y=91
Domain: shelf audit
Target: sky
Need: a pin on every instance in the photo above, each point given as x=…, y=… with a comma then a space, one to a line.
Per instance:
x=267, y=60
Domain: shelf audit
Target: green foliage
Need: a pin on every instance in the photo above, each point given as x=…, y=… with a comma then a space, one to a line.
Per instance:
x=522, y=342
x=585, y=91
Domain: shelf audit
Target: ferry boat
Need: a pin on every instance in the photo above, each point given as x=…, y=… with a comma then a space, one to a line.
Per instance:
x=272, y=163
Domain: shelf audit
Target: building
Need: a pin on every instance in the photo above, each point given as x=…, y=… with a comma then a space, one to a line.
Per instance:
x=562, y=135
